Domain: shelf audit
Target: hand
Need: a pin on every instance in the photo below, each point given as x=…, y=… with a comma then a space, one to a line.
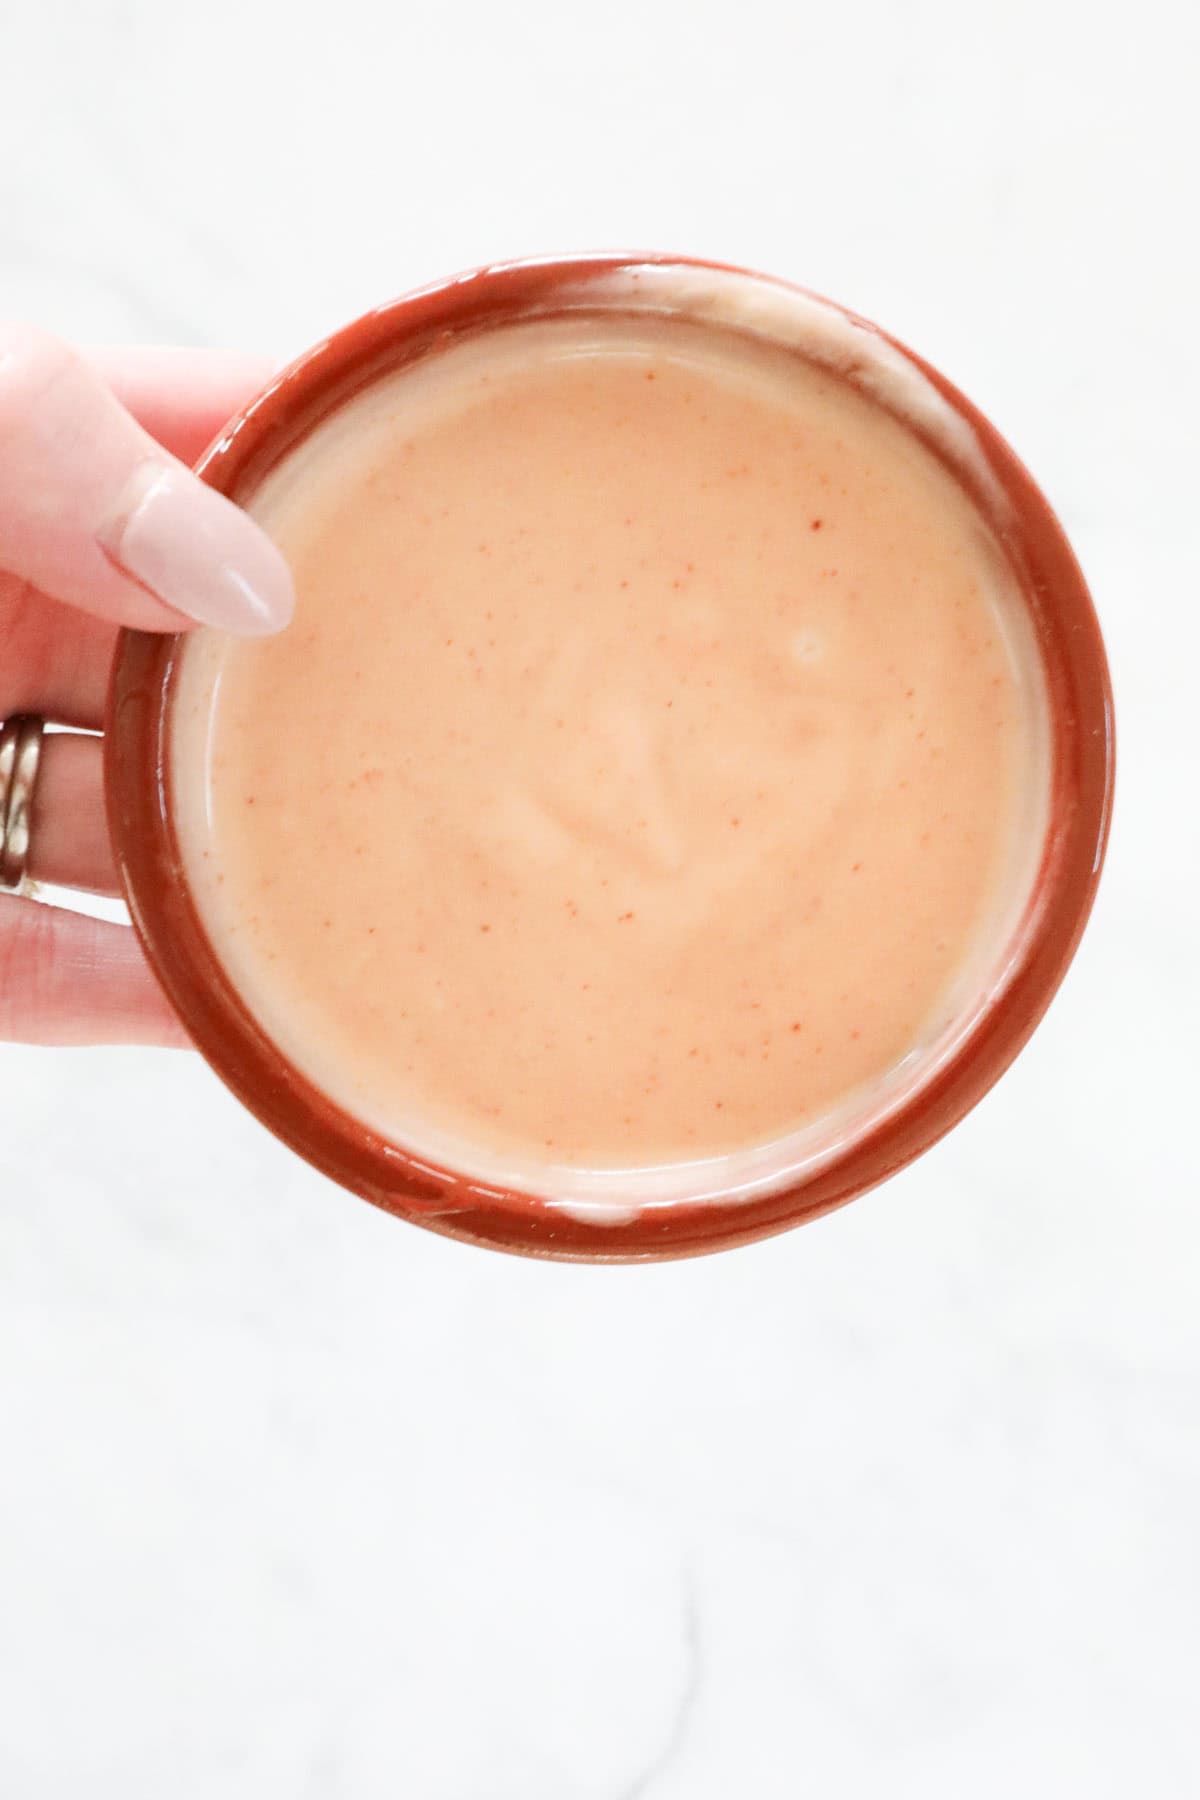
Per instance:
x=102, y=525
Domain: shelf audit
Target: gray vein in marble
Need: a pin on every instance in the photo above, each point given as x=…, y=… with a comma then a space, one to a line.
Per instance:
x=152, y=316
x=685, y=1705
x=324, y=1775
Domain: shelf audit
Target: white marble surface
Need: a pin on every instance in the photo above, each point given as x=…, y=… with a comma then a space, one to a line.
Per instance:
x=299, y=1502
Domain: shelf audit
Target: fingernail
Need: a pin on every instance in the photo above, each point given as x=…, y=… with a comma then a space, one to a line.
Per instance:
x=199, y=553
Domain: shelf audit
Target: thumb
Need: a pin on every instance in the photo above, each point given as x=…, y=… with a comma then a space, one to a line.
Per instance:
x=94, y=512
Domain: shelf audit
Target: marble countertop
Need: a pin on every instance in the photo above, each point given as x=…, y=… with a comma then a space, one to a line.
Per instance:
x=297, y=1502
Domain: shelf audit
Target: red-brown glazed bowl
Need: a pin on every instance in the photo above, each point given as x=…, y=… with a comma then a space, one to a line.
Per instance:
x=398, y=1178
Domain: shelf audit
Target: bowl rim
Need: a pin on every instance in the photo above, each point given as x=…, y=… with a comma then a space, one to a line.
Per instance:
x=138, y=786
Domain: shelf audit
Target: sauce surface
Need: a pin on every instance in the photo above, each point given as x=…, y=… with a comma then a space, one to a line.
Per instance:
x=649, y=763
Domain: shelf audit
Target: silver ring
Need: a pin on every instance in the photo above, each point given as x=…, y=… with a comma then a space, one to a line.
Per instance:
x=20, y=753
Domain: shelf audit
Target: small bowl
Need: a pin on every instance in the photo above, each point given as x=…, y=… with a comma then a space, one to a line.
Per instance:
x=399, y=1179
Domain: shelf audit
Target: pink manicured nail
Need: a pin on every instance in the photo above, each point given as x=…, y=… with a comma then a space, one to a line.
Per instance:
x=199, y=553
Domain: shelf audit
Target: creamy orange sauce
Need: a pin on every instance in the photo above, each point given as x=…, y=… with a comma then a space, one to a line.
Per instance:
x=652, y=765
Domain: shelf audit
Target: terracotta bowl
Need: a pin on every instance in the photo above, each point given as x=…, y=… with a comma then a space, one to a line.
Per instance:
x=399, y=1178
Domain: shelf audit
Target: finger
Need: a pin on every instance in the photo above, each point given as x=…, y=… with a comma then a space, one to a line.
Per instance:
x=67, y=979
x=94, y=512
x=68, y=841
x=181, y=397
x=54, y=661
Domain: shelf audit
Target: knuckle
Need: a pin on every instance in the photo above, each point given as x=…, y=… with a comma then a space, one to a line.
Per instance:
x=32, y=363
x=27, y=649
x=27, y=955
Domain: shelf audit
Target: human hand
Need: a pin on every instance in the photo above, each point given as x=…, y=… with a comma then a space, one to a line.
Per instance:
x=103, y=525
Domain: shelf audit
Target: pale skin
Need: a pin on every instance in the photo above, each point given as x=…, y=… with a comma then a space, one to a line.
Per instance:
x=103, y=525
